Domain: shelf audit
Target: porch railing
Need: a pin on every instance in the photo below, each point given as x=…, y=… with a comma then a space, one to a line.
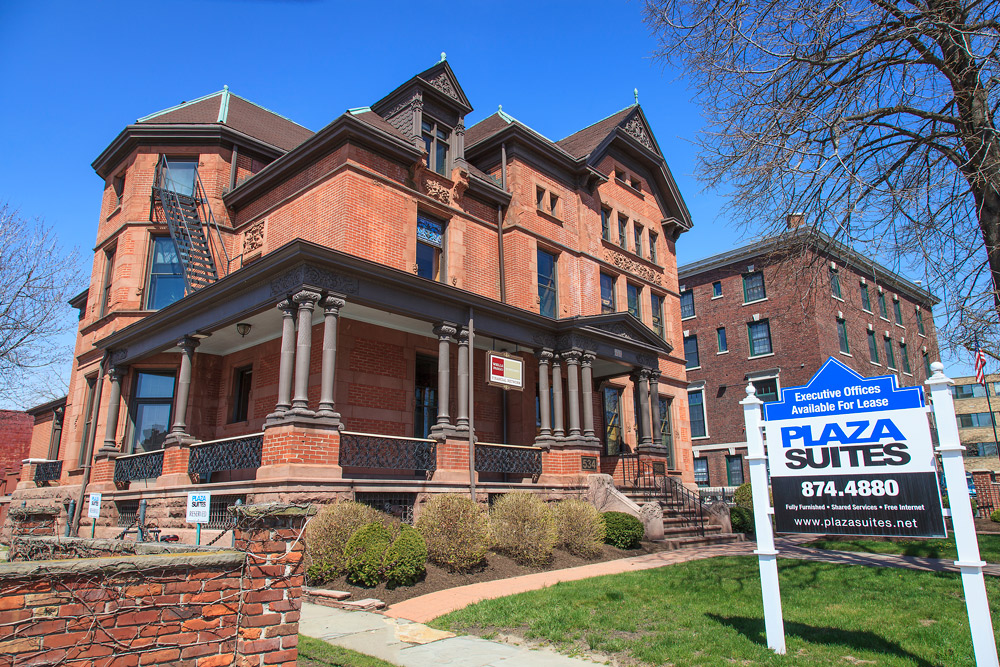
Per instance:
x=648, y=480
x=686, y=505
x=386, y=452
x=508, y=459
x=236, y=453
x=48, y=471
x=712, y=494
x=145, y=465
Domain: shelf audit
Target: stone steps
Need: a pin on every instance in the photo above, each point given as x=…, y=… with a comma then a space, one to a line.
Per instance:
x=685, y=542
x=340, y=600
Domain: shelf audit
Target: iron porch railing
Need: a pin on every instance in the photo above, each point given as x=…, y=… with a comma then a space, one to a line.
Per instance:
x=387, y=452
x=508, y=459
x=48, y=471
x=146, y=465
x=235, y=453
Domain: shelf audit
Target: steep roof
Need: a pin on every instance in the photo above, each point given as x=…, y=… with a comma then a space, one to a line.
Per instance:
x=582, y=143
x=242, y=115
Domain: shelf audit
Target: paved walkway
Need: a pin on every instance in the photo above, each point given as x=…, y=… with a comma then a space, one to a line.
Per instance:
x=399, y=636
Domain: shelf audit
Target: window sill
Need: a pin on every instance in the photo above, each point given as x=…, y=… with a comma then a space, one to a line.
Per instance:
x=907, y=374
x=627, y=186
x=689, y=317
x=701, y=437
x=865, y=310
x=692, y=368
x=113, y=213
x=874, y=363
x=901, y=326
x=750, y=303
x=886, y=319
x=550, y=216
x=838, y=298
x=762, y=356
x=716, y=297
x=922, y=335
x=847, y=354
x=723, y=352
x=890, y=368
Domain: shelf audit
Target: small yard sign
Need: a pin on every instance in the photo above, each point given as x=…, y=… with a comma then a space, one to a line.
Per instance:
x=506, y=371
x=197, y=507
x=94, y=506
x=851, y=455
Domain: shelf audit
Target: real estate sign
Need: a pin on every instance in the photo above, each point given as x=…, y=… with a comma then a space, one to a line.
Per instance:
x=851, y=455
x=94, y=506
x=505, y=370
x=197, y=507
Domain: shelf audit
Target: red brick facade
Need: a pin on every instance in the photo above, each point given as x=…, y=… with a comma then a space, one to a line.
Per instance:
x=802, y=312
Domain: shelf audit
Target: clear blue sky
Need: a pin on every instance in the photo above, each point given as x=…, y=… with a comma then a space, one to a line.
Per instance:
x=76, y=73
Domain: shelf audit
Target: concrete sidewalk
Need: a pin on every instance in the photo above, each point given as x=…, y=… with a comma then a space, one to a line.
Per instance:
x=411, y=644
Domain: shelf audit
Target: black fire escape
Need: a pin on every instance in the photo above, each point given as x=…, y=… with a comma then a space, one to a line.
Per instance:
x=191, y=223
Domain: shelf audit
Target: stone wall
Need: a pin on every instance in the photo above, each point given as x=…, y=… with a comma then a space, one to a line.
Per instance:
x=148, y=603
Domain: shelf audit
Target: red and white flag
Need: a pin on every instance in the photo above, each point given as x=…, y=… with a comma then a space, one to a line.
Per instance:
x=980, y=365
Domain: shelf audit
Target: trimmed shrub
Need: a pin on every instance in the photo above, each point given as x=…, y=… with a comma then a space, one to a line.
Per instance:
x=456, y=531
x=327, y=535
x=404, y=560
x=995, y=516
x=522, y=527
x=743, y=496
x=579, y=527
x=622, y=530
x=364, y=554
x=742, y=520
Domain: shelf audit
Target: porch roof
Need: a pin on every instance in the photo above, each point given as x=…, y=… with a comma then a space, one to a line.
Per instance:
x=250, y=293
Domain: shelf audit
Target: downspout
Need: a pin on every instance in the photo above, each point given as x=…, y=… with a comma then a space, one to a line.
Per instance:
x=472, y=410
x=232, y=167
x=89, y=445
x=503, y=184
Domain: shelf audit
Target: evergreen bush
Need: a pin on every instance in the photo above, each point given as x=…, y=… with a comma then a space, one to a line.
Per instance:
x=579, y=527
x=327, y=534
x=622, y=530
x=365, y=553
x=522, y=527
x=404, y=560
x=995, y=516
x=456, y=531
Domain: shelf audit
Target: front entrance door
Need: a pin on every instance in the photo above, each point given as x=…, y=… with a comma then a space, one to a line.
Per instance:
x=425, y=396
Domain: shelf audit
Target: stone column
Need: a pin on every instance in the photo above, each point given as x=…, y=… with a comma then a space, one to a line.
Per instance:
x=640, y=383
x=445, y=332
x=182, y=393
x=327, y=401
x=544, y=405
x=462, y=421
x=557, y=397
x=572, y=358
x=303, y=351
x=587, y=382
x=286, y=360
x=115, y=374
x=654, y=407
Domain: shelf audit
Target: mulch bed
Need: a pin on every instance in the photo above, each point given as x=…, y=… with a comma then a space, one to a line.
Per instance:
x=497, y=567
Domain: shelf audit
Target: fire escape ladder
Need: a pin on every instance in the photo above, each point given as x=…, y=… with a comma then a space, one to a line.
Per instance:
x=189, y=220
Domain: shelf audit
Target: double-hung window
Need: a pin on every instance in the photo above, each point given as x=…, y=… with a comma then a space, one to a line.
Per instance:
x=152, y=409
x=691, y=359
x=866, y=301
x=890, y=356
x=637, y=236
x=607, y=293
x=180, y=175
x=835, y=283
x=606, y=224
x=975, y=420
x=872, y=348
x=734, y=470
x=687, y=304
x=696, y=407
x=547, y=294
x=905, y=358
x=766, y=390
x=612, y=421
x=753, y=287
x=701, y=472
x=108, y=282
x=760, y=338
x=88, y=417
x=436, y=144
x=166, y=275
x=242, y=381
x=897, y=311
x=666, y=429
x=634, y=306
x=657, y=304
x=842, y=336
x=717, y=289
x=882, y=310
x=622, y=231
x=652, y=247
x=927, y=365
x=430, y=242
x=920, y=321
x=720, y=339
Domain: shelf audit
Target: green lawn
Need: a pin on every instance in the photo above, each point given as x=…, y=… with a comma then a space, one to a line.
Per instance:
x=709, y=612
x=317, y=653
x=989, y=547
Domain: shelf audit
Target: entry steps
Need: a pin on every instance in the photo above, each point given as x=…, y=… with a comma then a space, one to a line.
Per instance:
x=681, y=525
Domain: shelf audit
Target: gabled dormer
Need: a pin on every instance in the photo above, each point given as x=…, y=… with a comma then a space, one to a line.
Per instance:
x=430, y=111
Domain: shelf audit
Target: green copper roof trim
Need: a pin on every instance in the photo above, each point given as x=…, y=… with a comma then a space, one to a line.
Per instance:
x=179, y=106
x=357, y=110
x=507, y=117
x=224, y=105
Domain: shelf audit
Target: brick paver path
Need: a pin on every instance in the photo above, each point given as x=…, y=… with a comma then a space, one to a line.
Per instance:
x=426, y=607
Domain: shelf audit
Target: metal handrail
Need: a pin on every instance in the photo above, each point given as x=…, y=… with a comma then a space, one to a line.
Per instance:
x=209, y=221
x=500, y=444
x=681, y=497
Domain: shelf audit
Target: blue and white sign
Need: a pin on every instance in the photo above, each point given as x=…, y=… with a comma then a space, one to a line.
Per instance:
x=851, y=455
x=94, y=506
x=197, y=507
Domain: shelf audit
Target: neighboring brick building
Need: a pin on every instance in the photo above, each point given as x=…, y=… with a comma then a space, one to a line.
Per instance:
x=977, y=428
x=771, y=313
x=15, y=441
x=280, y=314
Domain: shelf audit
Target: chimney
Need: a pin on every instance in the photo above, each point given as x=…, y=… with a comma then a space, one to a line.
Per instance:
x=795, y=220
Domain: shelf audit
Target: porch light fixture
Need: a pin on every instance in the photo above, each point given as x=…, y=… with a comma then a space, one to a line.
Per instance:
x=243, y=328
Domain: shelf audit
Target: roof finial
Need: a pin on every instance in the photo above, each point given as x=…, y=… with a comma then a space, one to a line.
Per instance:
x=444, y=56
x=500, y=108
x=225, y=87
x=636, y=91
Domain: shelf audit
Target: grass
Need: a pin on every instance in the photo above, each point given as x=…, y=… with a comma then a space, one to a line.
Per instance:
x=989, y=547
x=709, y=612
x=317, y=653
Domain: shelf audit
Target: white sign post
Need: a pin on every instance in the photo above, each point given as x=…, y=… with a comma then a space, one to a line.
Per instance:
x=969, y=562
x=767, y=555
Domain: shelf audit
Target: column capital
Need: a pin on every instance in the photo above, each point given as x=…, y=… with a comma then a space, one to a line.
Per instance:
x=572, y=355
x=116, y=373
x=654, y=374
x=545, y=355
x=188, y=344
x=306, y=299
x=463, y=336
x=640, y=375
x=287, y=306
x=588, y=358
x=445, y=330
x=332, y=305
